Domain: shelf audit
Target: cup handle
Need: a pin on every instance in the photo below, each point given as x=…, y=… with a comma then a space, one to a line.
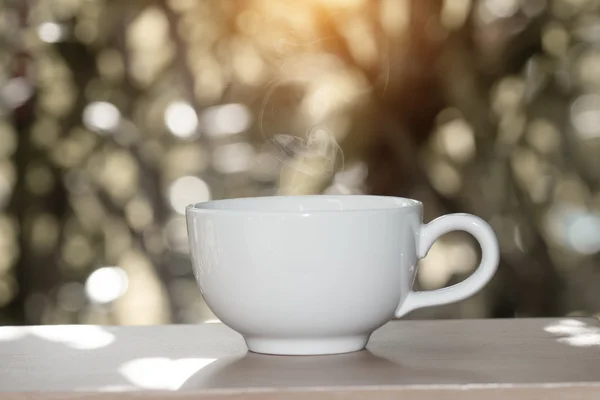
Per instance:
x=490, y=256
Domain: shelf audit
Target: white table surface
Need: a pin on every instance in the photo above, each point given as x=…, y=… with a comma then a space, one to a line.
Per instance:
x=450, y=359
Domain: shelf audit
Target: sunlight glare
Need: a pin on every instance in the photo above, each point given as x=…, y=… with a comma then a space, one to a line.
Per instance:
x=9, y=333
x=106, y=284
x=187, y=190
x=181, y=119
x=50, y=32
x=101, y=116
x=162, y=373
x=81, y=337
x=226, y=119
x=585, y=116
x=575, y=333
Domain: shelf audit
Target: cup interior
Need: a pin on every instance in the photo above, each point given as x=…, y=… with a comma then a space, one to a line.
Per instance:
x=311, y=203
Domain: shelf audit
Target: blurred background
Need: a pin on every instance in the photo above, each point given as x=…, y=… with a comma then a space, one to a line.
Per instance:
x=114, y=115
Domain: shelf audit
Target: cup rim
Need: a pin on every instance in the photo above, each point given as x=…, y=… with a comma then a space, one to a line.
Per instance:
x=392, y=203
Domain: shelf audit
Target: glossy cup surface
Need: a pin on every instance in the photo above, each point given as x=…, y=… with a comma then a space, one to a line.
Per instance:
x=305, y=274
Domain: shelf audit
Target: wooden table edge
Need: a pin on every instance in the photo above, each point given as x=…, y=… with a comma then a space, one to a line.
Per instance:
x=571, y=391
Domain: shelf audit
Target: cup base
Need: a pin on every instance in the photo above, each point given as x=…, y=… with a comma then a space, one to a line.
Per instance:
x=306, y=347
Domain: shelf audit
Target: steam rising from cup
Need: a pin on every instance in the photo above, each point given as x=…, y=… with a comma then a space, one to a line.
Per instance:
x=306, y=163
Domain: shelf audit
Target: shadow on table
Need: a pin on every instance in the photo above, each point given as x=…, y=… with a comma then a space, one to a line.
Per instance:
x=353, y=369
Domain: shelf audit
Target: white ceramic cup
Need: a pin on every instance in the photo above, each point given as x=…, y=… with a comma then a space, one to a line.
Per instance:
x=306, y=275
